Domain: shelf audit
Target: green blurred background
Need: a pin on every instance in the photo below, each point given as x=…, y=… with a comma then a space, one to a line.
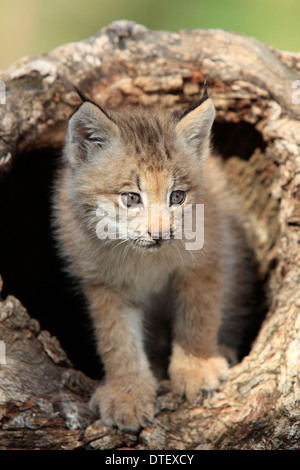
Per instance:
x=31, y=27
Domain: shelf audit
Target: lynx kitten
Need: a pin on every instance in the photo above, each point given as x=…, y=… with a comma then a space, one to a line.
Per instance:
x=137, y=265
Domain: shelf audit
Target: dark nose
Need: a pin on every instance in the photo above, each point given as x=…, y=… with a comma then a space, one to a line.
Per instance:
x=160, y=236
x=157, y=237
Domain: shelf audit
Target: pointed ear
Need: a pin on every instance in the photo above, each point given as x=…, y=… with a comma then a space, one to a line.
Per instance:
x=195, y=126
x=90, y=130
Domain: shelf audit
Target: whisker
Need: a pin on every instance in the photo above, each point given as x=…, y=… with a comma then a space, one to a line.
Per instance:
x=118, y=244
x=179, y=253
x=125, y=253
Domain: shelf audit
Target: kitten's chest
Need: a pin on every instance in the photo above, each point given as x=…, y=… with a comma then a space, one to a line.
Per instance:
x=143, y=277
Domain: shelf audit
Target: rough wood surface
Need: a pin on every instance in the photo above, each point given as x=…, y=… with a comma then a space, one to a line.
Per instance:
x=42, y=398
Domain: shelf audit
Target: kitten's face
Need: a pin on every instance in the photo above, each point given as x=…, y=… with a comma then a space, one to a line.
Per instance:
x=148, y=211
x=137, y=173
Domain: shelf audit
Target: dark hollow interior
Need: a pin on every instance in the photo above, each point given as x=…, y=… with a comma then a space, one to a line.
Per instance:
x=29, y=264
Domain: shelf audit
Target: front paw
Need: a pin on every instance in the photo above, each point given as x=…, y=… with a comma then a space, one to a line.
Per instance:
x=129, y=410
x=196, y=377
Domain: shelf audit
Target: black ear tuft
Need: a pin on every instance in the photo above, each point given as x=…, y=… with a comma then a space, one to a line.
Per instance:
x=203, y=98
x=205, y=93
x=85, y=99
x=81, y=95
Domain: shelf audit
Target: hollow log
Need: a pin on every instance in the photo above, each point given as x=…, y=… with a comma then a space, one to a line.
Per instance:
x=44, y=390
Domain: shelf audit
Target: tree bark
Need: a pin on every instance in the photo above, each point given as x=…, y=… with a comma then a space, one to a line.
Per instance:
x=43, y=399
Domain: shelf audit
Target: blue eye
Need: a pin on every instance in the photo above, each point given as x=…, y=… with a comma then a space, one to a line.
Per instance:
x=177, y=197
x=131, y=199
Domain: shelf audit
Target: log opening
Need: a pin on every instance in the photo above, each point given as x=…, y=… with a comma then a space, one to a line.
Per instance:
x=31, y=269
x=239, y=139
